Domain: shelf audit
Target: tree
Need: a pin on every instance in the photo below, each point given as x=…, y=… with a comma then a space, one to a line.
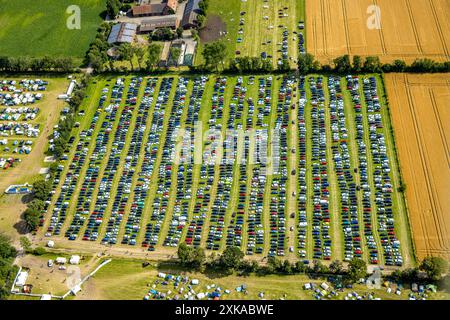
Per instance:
x=201, y=19
x=36, y=205
x=7, y=270
x=41, y=189
x=305, y=63
x=154, y=54
x=175, y=54
x=4, y=63
x=336, y=266
x=25, y=243
x=31, y=218
x=357, y=64
x=163, y=34
x=39, y=251
x=434, y=267
x=203, y=5
x=191, y=257
x=284, y=66
x=179, y=32
x=113, y=7
x=126, y=52
x=275, y=264
x=357, y=269
x=214, y=54
x=231, y=258
x=287, y=267
x=319, y=267
x=140, y=53
x=342, y=64
x=194, y=33
x=372, y=64
x=6, y=249
x=399, y=66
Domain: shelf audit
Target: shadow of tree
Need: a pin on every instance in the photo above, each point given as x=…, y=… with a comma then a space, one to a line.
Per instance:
x=21, y=227
x=27, y=198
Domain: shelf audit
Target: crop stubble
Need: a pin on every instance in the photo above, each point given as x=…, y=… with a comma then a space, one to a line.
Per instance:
x=410, y=29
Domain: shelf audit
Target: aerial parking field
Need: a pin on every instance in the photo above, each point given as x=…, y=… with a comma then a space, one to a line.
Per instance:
x=267, y=29
x=276, y=165
x=39, y=28
x=410, y=29
x=28, y=112
x=419, y=108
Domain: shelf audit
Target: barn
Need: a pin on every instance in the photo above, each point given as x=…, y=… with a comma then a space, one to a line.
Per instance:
x=153, y=23
x=191, y=11
x=166, y=7
x=122, y=32
x=148, y=10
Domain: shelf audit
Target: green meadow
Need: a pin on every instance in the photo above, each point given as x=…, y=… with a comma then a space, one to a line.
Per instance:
x=39, y=28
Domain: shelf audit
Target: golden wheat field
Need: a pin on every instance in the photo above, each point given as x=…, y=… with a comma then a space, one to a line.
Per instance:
x=421, y=120
x=409, y=29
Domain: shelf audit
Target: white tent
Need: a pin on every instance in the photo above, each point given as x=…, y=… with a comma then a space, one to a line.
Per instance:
x=74, y=260
x=61, y=260
x=22, y=278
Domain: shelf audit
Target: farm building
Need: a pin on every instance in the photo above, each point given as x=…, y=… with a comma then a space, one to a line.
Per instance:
x=172, y=5
x=155, y=9
x=122, y=32
x=180, y=44
x=191, y=12
x=189, y=53
x=154, y=23
x=148, y=10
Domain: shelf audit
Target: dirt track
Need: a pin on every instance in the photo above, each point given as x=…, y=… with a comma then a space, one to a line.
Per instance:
x=410, y=29
x=419, y=108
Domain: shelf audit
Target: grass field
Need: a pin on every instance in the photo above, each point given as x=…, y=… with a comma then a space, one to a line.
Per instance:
x=126, y=279
x=222, y=205
x=38, y=28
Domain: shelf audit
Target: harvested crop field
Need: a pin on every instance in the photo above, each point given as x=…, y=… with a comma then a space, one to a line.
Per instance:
x=410, y=29
x=419, y=107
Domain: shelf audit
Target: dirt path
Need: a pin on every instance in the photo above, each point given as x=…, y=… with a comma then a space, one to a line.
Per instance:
x=292, y=189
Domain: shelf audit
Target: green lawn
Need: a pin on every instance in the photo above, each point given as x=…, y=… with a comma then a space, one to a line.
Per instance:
x=38, y=28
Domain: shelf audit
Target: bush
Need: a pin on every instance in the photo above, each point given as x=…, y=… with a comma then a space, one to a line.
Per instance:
x=39, y=251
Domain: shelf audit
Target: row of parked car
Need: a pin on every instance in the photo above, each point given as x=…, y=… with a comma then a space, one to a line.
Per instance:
x=381, y=175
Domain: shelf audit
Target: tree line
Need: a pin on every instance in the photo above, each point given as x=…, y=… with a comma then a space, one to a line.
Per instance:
x=7, y=269
x=33, y=215
x=370, y=64
x=31, y=64
x=232, y=260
